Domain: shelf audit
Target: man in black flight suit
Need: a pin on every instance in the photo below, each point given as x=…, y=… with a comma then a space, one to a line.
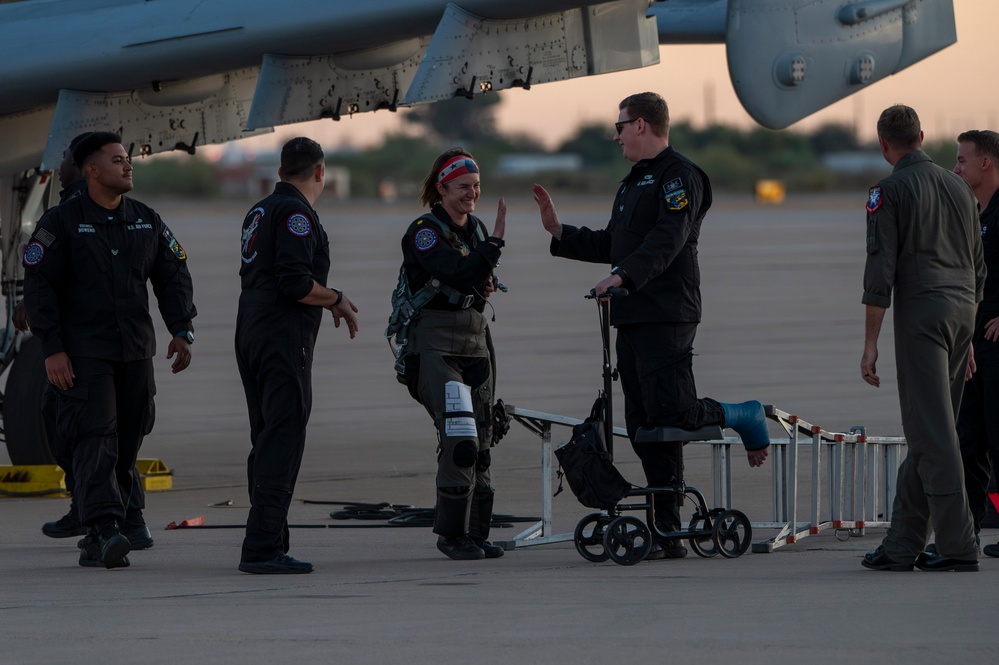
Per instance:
x=285, y=263
x=73, y=184
x=978, y=419
x=651, y=242
x=86, y=269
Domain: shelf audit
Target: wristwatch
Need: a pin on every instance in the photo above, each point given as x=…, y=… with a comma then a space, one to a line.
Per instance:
x=188, y=335
x=626, y=282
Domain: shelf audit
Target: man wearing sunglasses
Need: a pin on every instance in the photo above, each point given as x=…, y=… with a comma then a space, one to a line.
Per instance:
x=651, y=244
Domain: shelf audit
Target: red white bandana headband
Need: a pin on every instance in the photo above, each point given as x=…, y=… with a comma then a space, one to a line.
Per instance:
x=455, y=167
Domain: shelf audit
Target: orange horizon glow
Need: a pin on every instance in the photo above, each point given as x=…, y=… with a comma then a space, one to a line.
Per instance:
x=952, y=91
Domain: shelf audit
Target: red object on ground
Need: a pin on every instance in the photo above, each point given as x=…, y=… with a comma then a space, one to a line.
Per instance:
x=194, y=521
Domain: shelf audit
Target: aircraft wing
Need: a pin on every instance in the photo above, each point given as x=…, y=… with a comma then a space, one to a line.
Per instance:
x=790, y=58
x=182, y=73
x=178, y=74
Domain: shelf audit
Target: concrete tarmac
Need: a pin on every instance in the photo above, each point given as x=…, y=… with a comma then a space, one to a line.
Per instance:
x=782, y=323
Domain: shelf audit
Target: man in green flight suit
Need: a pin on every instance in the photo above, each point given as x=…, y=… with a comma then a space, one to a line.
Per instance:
x=923, y=246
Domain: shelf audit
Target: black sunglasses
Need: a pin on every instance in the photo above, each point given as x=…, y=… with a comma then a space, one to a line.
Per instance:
x=618, y=126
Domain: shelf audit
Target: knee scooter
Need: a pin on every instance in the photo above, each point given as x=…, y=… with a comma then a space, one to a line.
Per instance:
x=626, y=539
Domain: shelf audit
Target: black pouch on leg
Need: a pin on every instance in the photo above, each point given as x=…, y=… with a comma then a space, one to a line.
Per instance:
x=587, y=466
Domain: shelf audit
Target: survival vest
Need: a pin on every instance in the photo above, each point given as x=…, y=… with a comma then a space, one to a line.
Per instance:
x=406, y=303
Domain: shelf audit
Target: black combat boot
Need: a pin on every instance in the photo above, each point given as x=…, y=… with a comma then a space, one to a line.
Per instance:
x=479, y=521
x=114, y=546
x=136, y=531
x=282, y=564
x=67, y=526
x=451, y=524
x=671, y=548
x=460, y=549
x=90, y=551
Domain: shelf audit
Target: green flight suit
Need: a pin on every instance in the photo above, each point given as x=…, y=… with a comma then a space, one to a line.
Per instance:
x=924, y=246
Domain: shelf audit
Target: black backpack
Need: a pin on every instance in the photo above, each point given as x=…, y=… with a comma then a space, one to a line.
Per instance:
x=586, y=464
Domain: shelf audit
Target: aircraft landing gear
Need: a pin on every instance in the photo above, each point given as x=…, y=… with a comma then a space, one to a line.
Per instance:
x=23, y=428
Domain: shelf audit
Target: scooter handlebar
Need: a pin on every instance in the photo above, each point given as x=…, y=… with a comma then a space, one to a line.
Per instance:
x=613, y=292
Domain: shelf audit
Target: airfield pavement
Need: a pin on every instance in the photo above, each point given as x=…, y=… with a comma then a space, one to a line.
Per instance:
x=782, y=323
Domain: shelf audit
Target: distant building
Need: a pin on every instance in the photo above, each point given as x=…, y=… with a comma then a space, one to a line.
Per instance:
x=857, y=162
x=253, y=175
x=532, y=163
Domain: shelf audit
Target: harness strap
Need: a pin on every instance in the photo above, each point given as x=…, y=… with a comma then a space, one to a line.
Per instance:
x=406, y=303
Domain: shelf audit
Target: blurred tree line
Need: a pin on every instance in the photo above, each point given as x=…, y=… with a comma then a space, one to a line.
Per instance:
x=733, y=158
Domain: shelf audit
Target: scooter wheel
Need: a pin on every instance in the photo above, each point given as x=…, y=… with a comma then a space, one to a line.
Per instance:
x=703, y=546
x=628, y=540
x=732, y=534
x=589, y=537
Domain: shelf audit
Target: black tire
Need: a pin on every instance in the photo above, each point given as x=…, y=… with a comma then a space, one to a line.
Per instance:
x=732, y=534
x=627, y=540
x=589, y=537
x=703, y=546
x=23, y=426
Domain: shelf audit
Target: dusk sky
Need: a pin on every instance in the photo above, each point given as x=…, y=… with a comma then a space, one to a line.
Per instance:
x=952, y=91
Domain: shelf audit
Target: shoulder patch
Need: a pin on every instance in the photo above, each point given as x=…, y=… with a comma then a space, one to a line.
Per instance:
x=299, y=225
x=177, y=250
x=675, y=183
x=425, y=239
x=249, y=234
x=874, y=199
x=44, y=237
x=676, y=199
x=33, y=254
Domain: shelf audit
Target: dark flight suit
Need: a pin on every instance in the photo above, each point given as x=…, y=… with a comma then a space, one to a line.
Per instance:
x=85, y=292
x=924, y=246
x=284, y=249
x=449, y=344
x=651, y=240
x=978, y=421
x=62, y=450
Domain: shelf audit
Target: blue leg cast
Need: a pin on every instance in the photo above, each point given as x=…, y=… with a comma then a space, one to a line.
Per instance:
x=750, y=422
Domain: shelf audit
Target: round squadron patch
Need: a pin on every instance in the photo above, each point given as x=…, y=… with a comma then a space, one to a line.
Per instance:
x=425, y=239
x=874, y=199
x=33, y=254
x=299, y=225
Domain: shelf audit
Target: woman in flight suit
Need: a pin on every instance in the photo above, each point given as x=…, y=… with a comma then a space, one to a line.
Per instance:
x=449, y=357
